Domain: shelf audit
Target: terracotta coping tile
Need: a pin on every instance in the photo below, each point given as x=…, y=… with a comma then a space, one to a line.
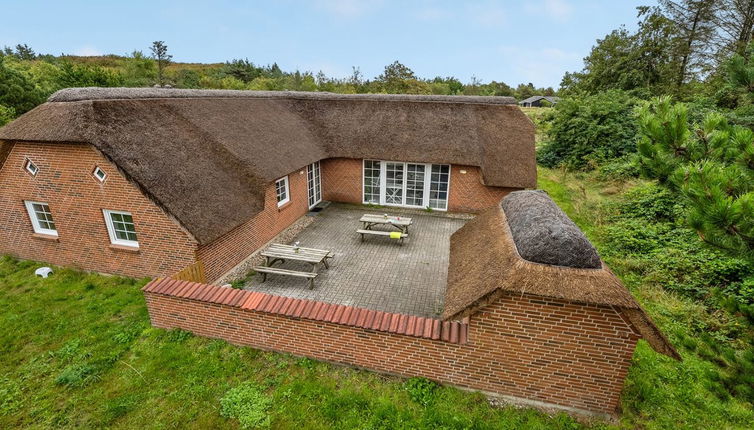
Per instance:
x=346, y=315
x=377, y=320
x=192, y=287
x=338, y=313
x=199, y=292
x=171, y=286
x=436, y=329
x=240, y=298
x=221, y=298
x=445, y=335
x=208, y=292
x=308, y=309
x=411, y=325
x=300, y=305
x=262, y=303
x=394, y=323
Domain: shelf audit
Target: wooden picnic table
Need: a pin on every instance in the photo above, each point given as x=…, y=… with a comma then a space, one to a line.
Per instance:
x=399, y=222
x=279, y=252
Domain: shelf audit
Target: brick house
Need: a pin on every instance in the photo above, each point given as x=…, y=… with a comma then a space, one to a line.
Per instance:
x=143, y=182
x=146, y=182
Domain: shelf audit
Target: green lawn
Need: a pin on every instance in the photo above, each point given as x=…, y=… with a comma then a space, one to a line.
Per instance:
x=77, y=350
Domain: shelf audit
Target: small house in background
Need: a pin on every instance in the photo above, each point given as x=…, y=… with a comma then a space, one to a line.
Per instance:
x=539, y=101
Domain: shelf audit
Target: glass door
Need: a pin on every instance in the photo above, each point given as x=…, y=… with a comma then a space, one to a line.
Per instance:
x=415, y=174
x=394, y=178
x=314, y=184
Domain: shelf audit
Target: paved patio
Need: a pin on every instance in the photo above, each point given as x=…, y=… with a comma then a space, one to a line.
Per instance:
x=375, y=274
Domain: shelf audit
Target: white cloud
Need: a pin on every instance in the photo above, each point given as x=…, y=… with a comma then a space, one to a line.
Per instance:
x=543, y=66
x=433, y=14
x=556, y=10
x=348, y=8
x=87, y=51
x=488, y=15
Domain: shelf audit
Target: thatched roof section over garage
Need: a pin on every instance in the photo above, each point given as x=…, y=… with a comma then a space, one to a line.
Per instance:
x=206, y=156
x=486, y=262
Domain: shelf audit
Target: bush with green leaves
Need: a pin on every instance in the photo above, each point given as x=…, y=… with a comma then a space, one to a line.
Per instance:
x=247, y=403
x=646, y=226
x=421, y=390
x=6, y=115
x=586, y=131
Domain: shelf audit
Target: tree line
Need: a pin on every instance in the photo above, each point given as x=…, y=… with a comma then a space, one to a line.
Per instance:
x=28, y=78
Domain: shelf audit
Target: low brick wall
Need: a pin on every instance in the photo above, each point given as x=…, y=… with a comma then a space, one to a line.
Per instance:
x=564, y=354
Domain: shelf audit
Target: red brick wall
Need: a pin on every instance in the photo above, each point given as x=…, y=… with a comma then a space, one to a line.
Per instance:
x=76, y=200
x=342, y=182
x=551, y=351
x=233, y=247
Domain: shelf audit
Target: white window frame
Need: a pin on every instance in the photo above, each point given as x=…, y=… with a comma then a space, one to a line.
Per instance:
x=96, y=176
x=287, y=198
x=30, y=167
x=111, y=229
x=383, y=184
x=313, y=184
x=35, y=221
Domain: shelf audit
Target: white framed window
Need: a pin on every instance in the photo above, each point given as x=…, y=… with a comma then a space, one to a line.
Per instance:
x=121, y=228
x=31, y=167
x=41, y=218
x=281, y=191
x=415, y=185
x=99, y=174
x=372, y=174
x=313, y=184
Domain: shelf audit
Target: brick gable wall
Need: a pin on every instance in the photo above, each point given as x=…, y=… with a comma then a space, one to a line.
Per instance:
x=233, y=247
x=552, y=351
x=76, y=200
x=342, y=181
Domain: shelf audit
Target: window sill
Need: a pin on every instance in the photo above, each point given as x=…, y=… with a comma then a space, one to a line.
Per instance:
x=47, y=237
x=124, y=248
x=284, y=205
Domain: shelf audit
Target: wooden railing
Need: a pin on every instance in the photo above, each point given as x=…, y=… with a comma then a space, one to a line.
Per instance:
x=193, y=273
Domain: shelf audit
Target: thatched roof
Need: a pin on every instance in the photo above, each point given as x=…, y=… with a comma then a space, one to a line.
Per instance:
x=206, y=156
x=544, y=234
x=485, y=264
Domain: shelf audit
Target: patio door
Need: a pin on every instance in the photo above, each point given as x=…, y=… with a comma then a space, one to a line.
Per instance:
x=415, y=185
x=313, y=184
x=415, y=174
x=394, y=183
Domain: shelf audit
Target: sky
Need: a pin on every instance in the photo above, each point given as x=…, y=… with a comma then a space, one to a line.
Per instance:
x=510, y=41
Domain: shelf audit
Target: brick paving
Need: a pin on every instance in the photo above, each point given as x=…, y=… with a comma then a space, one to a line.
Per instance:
x=375, y=274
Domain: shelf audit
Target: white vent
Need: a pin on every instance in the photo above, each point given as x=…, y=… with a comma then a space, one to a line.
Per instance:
x=31, y=167
x=100, y=174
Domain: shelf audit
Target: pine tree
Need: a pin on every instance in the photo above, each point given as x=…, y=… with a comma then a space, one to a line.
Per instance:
x=160, y=53
x=711, y=166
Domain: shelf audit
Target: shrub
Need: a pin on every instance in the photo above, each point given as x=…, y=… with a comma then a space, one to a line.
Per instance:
x=421, y=390
x=590, y=130
x=248, y=404
x=646, y=224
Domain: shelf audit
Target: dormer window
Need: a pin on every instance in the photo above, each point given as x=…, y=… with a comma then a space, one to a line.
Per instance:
x=99, y=174
x=31, y=167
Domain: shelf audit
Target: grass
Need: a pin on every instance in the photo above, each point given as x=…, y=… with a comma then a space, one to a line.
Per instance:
x=77, y=350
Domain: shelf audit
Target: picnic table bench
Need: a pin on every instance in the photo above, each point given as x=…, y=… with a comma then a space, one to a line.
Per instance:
x=277, y=252
x=401, y=225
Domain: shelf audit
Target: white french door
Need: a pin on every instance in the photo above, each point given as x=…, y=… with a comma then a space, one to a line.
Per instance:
x=313, y=184
x=415, y=185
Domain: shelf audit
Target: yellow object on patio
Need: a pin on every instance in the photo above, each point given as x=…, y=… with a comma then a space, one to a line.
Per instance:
x=395, y=235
